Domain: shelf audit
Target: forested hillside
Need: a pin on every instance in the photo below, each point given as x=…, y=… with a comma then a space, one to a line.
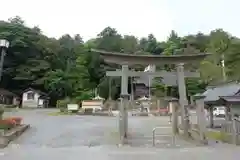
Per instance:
x=64, y=67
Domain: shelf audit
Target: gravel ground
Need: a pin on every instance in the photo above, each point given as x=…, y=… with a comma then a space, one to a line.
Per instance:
x=88, y=137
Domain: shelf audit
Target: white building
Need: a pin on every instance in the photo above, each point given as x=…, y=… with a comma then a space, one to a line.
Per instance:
x=32, y=98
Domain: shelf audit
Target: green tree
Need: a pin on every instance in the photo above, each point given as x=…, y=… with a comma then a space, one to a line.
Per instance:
x=64, y=67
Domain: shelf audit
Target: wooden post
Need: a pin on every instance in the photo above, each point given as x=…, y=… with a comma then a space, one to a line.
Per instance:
x=110, y=89
x=125, y=103
x=1, y=112
x=234, y=131
x=227, y=113
x=3, y=53
x=121, y=123
x=211, y=121
x=158, y=104
x=201, y=119
x=191, y=100
x=174, y=104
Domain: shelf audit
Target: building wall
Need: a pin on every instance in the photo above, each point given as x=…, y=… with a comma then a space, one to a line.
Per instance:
x=16, y=101
x=141, y=90
x=6, y=100
x=29, y=103
x=235, y=109
x=40, y=102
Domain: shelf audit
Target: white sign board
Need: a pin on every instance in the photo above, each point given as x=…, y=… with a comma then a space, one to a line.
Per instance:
x=72, y=107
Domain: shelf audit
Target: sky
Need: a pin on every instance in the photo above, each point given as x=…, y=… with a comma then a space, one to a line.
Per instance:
x=134, y=17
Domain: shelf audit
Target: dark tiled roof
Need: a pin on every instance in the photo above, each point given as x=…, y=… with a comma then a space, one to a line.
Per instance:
x=37, y=91
x=5, y=92
x=235, y=98
x=214, y=93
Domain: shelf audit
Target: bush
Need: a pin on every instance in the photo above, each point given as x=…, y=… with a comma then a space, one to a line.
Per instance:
x=10, y=106
x=18, y=120
x=62, y=104
x=100, y=114
x=7, y=124
x=76, y=111
x=143, y=114
x=1, y=112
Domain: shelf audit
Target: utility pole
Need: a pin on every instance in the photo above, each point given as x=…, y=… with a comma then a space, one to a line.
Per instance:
x=110, y=89
x=4, y=44
x=132, y=89
x=223, y=68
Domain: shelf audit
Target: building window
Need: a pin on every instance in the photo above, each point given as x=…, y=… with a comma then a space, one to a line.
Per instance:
x=30, y=96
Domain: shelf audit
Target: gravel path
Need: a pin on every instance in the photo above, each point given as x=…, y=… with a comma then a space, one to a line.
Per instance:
x=88, y=137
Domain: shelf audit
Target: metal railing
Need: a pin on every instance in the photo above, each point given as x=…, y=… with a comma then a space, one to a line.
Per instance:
x=162, y=127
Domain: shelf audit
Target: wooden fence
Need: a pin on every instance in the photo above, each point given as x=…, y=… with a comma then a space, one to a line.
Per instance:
x=232, y=129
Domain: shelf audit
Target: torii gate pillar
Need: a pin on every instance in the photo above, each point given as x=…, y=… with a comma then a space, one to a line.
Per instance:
x=123, y=114
x=182, y=97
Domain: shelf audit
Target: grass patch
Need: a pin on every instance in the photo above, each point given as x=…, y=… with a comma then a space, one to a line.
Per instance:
x=60, y=113
x=11, y=109
x=218, y=136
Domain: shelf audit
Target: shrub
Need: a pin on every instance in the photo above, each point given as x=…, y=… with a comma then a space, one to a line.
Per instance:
x=100, y=114
x=76, y=111
x=4, y=126
x=62, y=104
x=143, y=114
x=1, y=112
x=7, y=124
x=18, y=120
x=10, y=106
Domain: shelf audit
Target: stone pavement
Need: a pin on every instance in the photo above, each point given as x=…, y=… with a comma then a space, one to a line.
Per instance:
x=88, y=137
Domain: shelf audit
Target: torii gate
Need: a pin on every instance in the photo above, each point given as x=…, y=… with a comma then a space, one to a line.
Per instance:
x=125, y=73
x=126, y=59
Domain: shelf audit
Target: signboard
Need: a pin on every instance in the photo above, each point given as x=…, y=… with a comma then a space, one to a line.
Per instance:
x=72, y=107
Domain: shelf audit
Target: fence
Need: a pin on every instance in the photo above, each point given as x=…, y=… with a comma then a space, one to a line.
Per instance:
x=232, y=129
x=228, y=126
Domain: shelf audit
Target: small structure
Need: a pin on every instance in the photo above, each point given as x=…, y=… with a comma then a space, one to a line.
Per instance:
x=8, y=98
x=220, y=95
x=32, y=98
x=232, y=103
